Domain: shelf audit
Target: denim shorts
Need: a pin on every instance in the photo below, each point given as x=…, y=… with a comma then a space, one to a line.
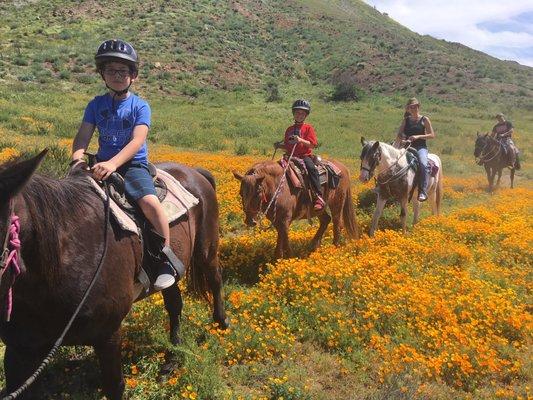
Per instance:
x=137, y=179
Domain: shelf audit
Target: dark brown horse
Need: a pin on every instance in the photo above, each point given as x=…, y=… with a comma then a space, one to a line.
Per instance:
x=258, y=189
x=62, y=231
x=491, y=153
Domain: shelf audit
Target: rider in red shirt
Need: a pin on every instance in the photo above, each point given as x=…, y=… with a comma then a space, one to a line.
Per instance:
x=300, y=140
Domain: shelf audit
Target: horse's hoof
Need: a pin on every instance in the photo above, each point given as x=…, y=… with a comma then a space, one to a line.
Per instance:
x=225, y=324
x=175, y=340
x=170, y=365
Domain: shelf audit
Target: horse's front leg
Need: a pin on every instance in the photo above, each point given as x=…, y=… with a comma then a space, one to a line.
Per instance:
x=491, y=179
x=324, y=219
x=18, y=366
x=416, y=211
x=380, y=204
x=403, y=213
x=499, y=177
x=283, y=248
x=487, y=172
x=110, y=359
x=512, y=177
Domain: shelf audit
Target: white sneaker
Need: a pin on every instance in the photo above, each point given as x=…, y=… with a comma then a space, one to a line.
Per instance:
x=165, y=277
x=422, y=197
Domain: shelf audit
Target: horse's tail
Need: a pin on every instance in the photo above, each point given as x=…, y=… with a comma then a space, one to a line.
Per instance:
x=348, y=216
x=439, y=193
x=207, y=175
x=204, y=266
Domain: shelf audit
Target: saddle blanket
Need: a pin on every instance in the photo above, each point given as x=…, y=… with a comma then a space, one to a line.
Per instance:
x=176, y=202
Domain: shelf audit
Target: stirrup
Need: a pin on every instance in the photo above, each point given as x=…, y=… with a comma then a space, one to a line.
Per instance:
x=174, y=261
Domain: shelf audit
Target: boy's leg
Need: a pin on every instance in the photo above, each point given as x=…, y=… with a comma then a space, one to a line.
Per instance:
x=153, y=211
x=315, y=181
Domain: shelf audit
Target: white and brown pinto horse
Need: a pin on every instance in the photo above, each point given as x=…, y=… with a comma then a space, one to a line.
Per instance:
x=396, y=179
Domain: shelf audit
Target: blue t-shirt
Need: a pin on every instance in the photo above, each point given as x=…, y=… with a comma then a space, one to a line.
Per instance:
x=115, y=120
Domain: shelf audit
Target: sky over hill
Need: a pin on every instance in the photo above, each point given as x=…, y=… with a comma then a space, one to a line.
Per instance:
x=501, y=29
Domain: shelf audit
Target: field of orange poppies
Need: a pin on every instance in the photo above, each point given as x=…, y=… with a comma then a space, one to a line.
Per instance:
x=442, y=312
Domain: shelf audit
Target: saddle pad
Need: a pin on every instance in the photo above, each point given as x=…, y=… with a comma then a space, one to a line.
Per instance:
x=123, y=219
x=176, y=203
x=332, y=166
x=433, y=168
x=178, y=199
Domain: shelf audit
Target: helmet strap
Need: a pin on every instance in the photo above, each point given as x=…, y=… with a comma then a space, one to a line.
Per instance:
x=118, y=92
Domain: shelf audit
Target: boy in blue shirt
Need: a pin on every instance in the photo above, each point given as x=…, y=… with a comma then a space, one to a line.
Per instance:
x=123, y=121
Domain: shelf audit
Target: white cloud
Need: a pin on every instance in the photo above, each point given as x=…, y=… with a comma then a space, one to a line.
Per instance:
x=469, y=23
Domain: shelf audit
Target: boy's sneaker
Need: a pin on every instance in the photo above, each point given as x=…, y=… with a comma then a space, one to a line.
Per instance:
x=319, y=204
x=165, y=276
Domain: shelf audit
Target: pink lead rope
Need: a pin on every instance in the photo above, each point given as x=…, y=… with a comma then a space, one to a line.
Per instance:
x=13, y=258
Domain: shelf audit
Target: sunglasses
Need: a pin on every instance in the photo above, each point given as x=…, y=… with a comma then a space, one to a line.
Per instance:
x=121, y=73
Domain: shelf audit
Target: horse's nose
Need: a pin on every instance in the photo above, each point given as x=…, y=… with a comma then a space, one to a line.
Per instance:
x=363, y=176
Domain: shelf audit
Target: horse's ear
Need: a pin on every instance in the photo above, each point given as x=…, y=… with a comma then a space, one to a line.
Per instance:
x=363, y=141
x=14, y=177
x=477, y=133
x=237, y=175
x=375, y=146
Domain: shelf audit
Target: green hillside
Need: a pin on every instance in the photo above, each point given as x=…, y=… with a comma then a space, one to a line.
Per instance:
x=190, y=46
x=220, y=76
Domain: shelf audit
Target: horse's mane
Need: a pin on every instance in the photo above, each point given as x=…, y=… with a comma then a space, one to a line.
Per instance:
x=56, y=207
x=265, y=168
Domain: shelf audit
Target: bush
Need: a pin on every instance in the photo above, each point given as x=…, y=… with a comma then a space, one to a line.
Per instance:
x=346, y=89
x=272, y=91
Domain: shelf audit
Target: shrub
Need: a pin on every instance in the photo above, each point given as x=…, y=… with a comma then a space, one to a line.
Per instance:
x=272, y=91
x=346, y=89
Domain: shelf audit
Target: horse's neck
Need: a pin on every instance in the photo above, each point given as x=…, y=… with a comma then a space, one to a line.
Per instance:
x=271, y=183
x=390, y=157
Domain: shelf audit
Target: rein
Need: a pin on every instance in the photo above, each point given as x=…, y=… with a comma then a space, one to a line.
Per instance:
x=276, y=192
x=394, y=177
x=497, y=152
x=59, y=341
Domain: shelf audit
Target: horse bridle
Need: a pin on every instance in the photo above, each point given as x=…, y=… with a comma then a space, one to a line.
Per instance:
x=5, y=250
x=374, y=161
x=497, y=152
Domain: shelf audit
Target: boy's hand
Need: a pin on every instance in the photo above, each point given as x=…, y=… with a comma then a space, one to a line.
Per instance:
x=294, y=139
x=102, y=170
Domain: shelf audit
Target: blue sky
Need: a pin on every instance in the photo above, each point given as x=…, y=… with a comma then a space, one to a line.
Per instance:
x=503, y=29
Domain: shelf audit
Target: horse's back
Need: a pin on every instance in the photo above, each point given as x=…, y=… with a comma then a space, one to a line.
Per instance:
x=200, y=182
x=436, y=159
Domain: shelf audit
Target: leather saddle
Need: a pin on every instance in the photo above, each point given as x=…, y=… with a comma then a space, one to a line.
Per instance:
x=154, y=249
x=298, y=176
x=412, y=159
x=116, y=190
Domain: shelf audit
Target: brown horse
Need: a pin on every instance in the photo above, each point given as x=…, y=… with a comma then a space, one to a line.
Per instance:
x=258, y=189
x=61, y=233
x=491, y=153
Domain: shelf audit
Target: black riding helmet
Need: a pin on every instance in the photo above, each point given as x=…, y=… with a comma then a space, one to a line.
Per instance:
x=301, y=104
x=119, y=51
